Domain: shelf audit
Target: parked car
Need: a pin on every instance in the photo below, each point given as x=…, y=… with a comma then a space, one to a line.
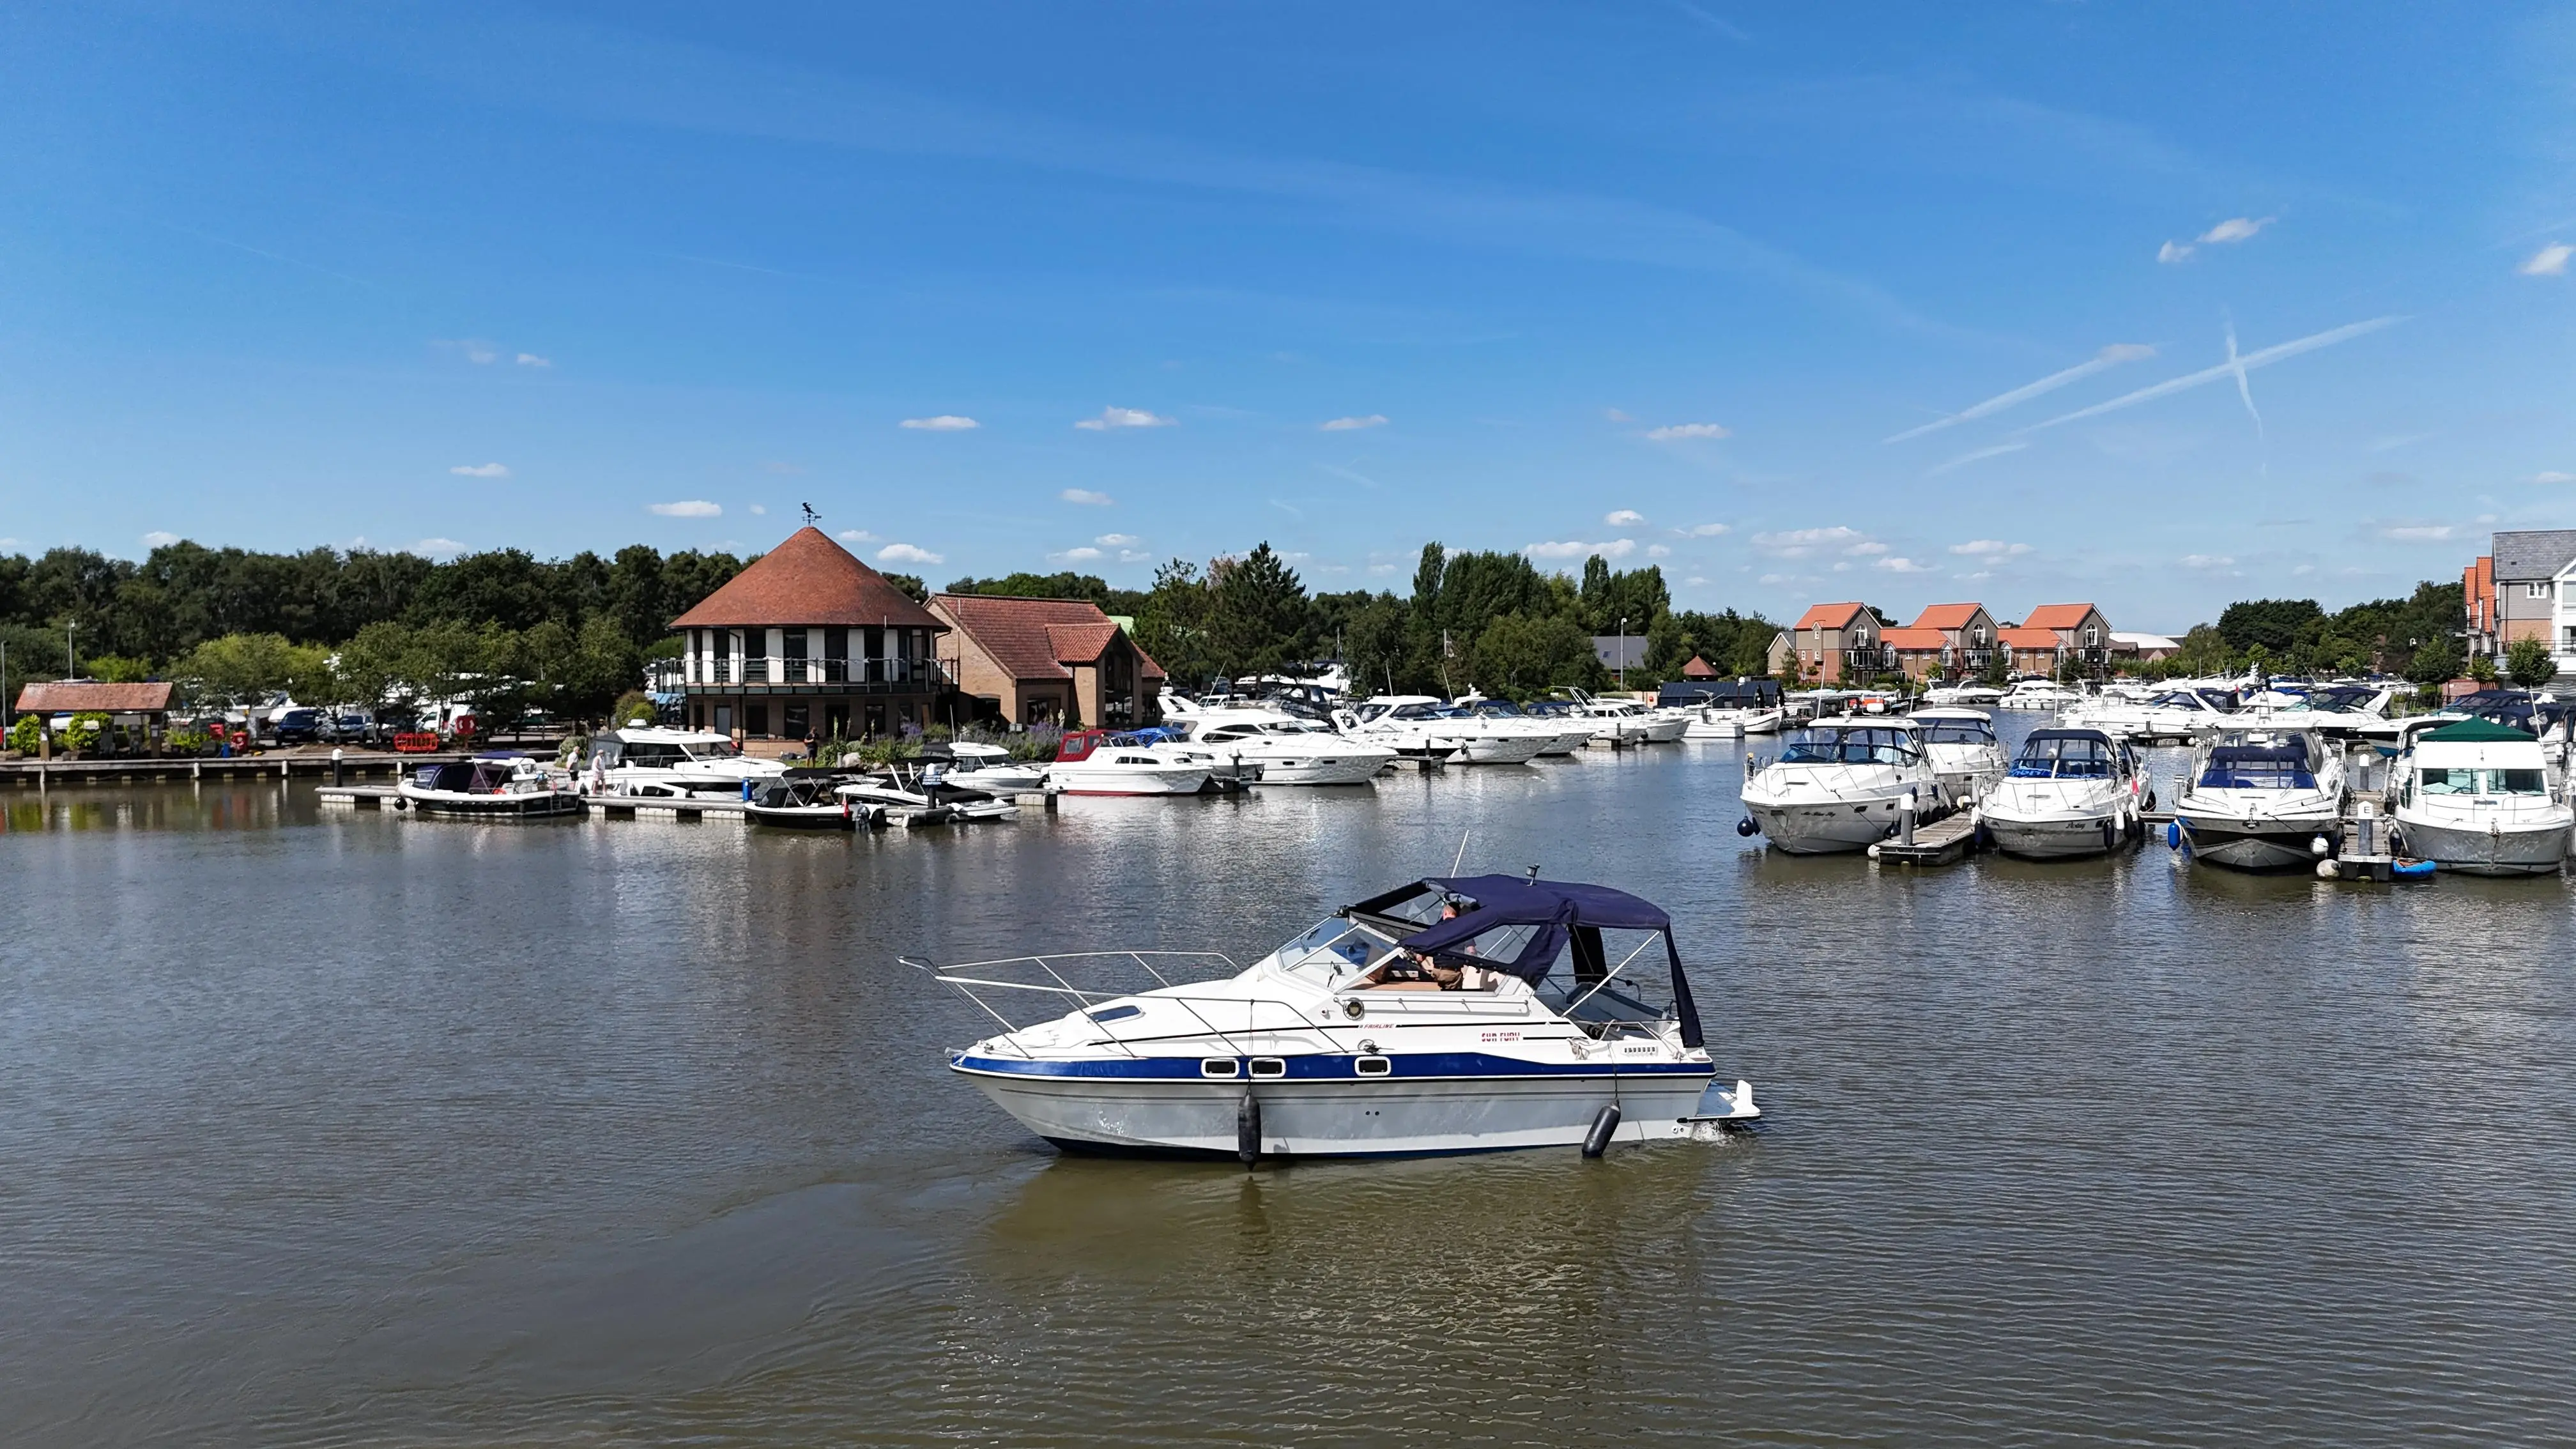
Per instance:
x=350, y=727
x=297, y=727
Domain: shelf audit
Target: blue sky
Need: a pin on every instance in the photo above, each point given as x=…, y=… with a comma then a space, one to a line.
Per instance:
x=1904, y=303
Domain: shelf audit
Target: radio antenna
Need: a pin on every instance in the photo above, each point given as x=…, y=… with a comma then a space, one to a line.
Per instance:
x=1462, y=851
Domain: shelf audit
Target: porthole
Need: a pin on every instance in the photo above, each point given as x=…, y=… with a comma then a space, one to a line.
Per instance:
x=1217, y=1067
x=1269, y=1067
x=1373, y=1066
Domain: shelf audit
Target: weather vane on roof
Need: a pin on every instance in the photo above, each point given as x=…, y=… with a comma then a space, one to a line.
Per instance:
x=811, y=517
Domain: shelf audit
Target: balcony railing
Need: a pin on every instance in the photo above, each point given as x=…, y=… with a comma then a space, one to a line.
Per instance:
x=858, y=673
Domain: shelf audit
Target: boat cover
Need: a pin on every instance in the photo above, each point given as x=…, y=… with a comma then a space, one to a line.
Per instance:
x=2477, y=731
x=1561, y=910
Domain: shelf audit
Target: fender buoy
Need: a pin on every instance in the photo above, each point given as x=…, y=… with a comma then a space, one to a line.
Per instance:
x=1247, y=1129
x=1746, y=827
x=2173, y=835
x=2110, y=835
x=1605, y=1122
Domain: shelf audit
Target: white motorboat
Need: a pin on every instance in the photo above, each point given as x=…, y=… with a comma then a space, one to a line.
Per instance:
x=1573, y=729
x=2174, y=714
x=652, y=760
x=1840, y=784
x=2261, y=799
x=1964, y=696
x=2475, y=796
x=2038, y=694
x=1096, y=762
x=1558, y=733
x=1964, y=752
x=1420, y=724
x=491, y=787
x=921, y=794
x=1448, y=1015
x=2070, y=792
x=2338, y=709
x=989, y=768
x=1628, y=720
x=1285, y=749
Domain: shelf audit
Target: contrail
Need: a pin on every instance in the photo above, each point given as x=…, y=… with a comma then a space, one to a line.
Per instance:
x=2111, y=356
x=2235, y=367
x=2244, y=389
x=1964, y=459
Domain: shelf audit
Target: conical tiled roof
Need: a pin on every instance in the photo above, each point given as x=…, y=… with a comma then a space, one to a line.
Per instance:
x=808, y=579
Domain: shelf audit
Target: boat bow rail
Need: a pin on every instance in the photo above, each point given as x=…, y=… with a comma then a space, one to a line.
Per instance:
x=1244, y=1025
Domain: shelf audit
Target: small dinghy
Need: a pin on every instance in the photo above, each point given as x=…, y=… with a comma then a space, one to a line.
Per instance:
x=1461, y=1014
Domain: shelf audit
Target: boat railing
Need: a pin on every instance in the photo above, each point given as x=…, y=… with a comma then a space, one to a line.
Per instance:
x=1054, y=967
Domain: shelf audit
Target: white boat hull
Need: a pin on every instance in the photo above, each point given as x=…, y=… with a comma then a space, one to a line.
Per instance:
x=518, y=805
x=2256, y=842
x=1128, y=779
x=2534, y=848
x=2059, y=837
x=1501, y=749
x=1353, y=1117
x=1322, y=769
x=1826, y=827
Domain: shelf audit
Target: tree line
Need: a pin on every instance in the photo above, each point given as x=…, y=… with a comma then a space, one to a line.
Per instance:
x=2417, y=638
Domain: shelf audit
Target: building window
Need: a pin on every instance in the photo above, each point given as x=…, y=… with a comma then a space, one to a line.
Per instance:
x=799, y=721
x=755, y=719
x=796, y=641
x=2092, y=637
x=2536, y=591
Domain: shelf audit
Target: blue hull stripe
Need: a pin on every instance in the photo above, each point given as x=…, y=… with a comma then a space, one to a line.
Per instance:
x=1321, y=1067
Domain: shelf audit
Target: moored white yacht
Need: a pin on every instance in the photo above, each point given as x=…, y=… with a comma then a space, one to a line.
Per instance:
x=2038, y=694
x=1285, y=749
x=1840, y=784
x=2173, y=714
x=2475, y=797
x=1559, y=734
x=2261, y=799
x=1448, y=1015
x=652, y=760
x=914, y=793
x=1964, y=752
x=2070, y=792
x=989, y=768
x=1420, y=724
x=493, y=787
x=1970, y=696
x=2339, y=709
x=1096, y=762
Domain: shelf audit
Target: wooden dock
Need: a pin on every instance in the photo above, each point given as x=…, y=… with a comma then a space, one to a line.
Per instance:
x=1946, y=840
x=54, y=774
x=633, y=807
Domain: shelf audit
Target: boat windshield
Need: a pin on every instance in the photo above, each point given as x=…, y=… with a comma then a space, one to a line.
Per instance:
x=1858, y=745
x=711, y=749
x=1958, y=732
x=2257, y=767
x=1334, y=951
x=2063, y=757
x=2465, y=780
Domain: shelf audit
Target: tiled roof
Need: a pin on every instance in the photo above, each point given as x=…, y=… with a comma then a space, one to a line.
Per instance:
x=1036, y=638
x=2028, y=638
x=1945, y=616
x=2533, y=553
x=1912, y=638
x=1697, y=668
x=1828, y=616
x=80, y=698
x=808, y=579
x=2057, y=616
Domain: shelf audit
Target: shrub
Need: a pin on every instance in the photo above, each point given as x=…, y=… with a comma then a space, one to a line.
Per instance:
x=632, y=707
x=28, y=734
x=84, y=730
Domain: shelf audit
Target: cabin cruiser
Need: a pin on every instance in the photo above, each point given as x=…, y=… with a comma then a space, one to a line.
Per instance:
x=1560, y=732
x=1722, y=709
x=918, y=793
x=1629, y=721
x=1417, y=724
x=652, y=760
x=2261, y=799
x=1284, y=749
x=496, y=786
x=2070, y=792
x=1574, y=729
x=1964, y=752
x=2474, y=796
x=989, y=768
x=1967, y=696
x=2175, y=714
x=2037, y=694
x=805, y=799
x=2341, y=709
x=1096, y=762
x=1452, y=1014
x=1840, y=784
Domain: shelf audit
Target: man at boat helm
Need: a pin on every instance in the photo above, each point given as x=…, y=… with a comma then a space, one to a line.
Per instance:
x=1407, y=967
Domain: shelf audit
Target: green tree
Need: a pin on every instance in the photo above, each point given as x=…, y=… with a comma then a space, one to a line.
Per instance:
x=2436, y=662
x=2528, y=665
x=1256, y=612
x=1517, y=657
x=245, y=667
x=1377, y=646
x=1172, y=626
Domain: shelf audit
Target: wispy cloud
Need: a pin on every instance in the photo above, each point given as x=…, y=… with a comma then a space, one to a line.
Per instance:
x=904, y=553
x=2549, y=261
x=1675, y=432
x=1118, y=540
x=2205, y=561
x=480, y=470
x=943, y=423
x=1087, y=497
x=1896, y=565
x=473, y=349
x=1615, y=548
x=2108, y=357
x=759, y=510
x=1711, y=22
x=2418, y=533
x=2233, y=368
x=1624, y=518
x=1800, y=542
x=2235, y=229
x=2553, y=476
x=1989, y=548
x=2174, y=251
x=1964, y=459
x=530, y=359
x=1709, y=530
x=1617, y=416
x=2401, y=440
x=1124, y=418
x=689, y=508
x=1657, y=550
x=158, y=539
x=1352, y=425
x=436, y=548
x=1084, y=554
x=856, y=535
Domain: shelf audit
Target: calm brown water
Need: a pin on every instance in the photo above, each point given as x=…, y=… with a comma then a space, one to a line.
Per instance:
x=330, y=1127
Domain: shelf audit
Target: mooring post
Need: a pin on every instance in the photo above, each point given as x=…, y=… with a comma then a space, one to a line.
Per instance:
x=335, y=764
x=1905, y=819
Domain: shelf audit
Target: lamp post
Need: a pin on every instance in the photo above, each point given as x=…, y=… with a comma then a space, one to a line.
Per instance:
x=68, y=670
x=1623, y=652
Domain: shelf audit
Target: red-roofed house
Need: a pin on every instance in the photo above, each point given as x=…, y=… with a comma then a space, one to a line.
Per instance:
x=2029, y=651
x=1831, y=643
x=809, y=639
x=2478, y=594
x=1968, y=632
x=2083, y=634
x=1044, y=661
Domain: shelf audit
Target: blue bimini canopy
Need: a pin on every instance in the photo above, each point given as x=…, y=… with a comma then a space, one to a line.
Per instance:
x=1559, y=912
